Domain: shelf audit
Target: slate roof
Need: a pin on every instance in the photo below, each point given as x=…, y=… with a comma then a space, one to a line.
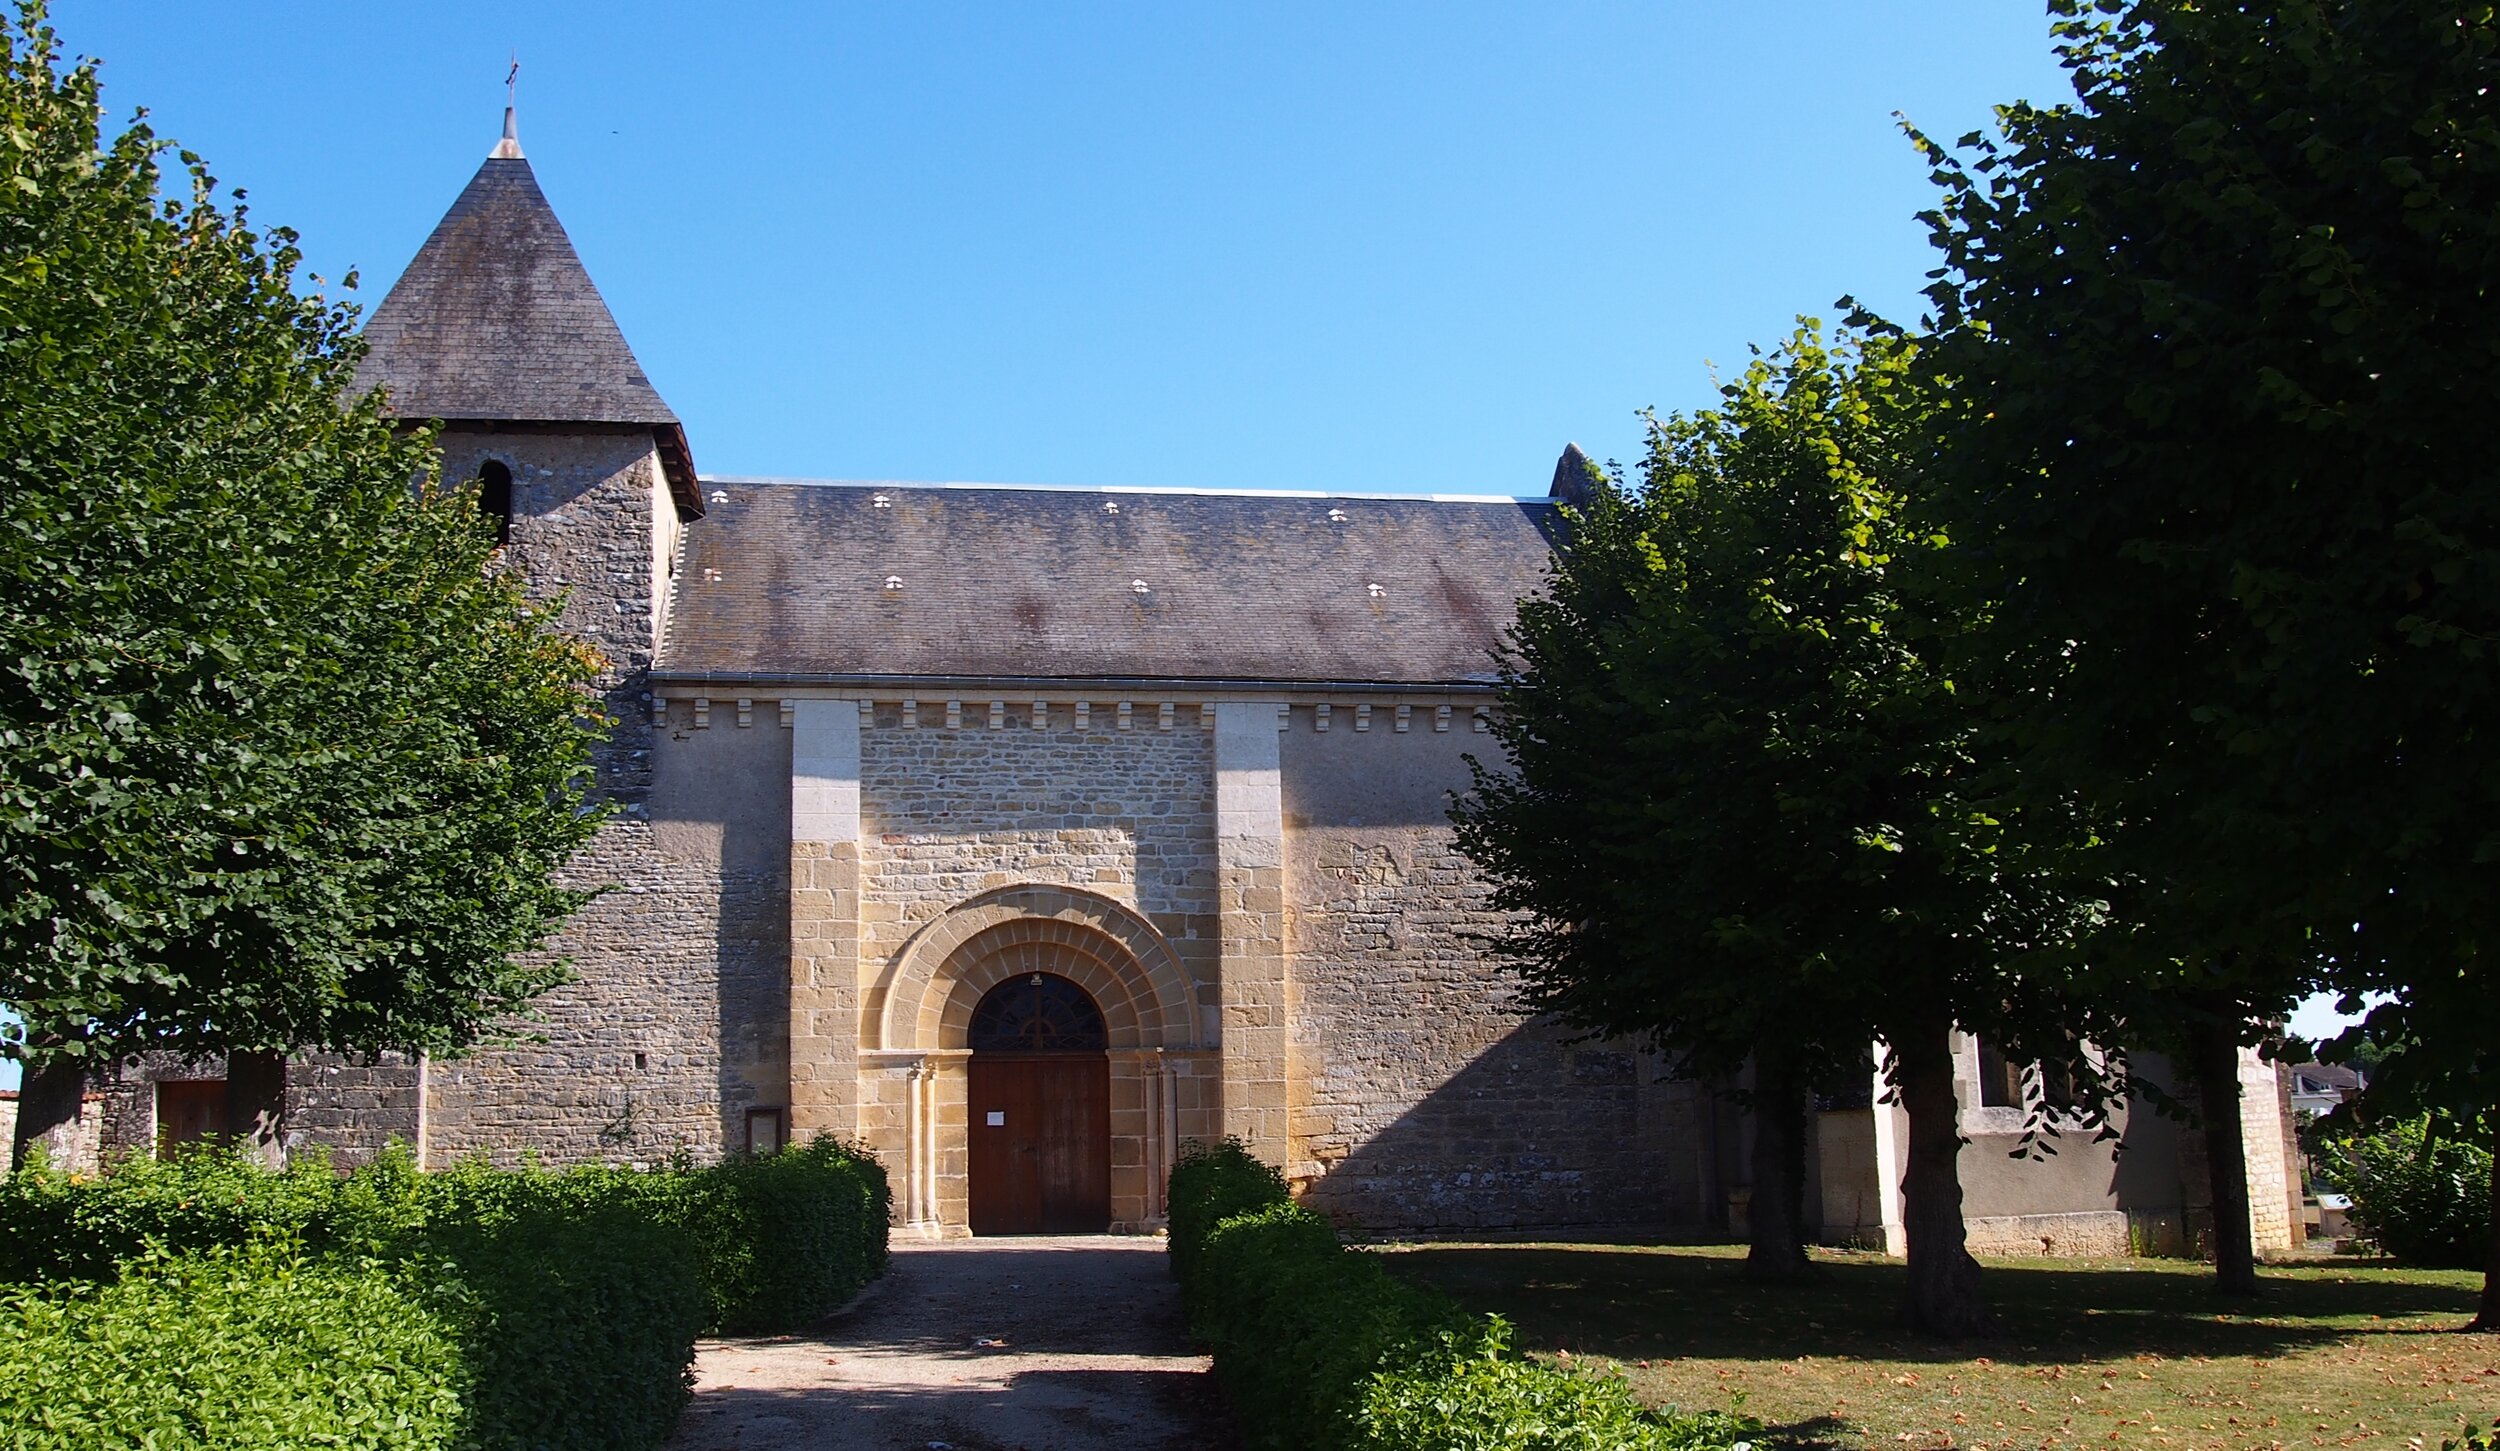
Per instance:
x=791, y=581
x=497, y=321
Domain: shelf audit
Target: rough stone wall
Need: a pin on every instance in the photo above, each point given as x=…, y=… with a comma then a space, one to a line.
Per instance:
x=950, y=812
x=120, y=1109
x=1433, y=1102
x=349, y=1106
x=627, y=1063
x=352, y=1107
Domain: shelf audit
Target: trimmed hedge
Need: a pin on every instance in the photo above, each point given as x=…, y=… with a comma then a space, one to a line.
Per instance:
x=780, y=1240
x=783, y=1239
x=228, y=1348
x=569, y=1302
x=1320, y=1346
x=577, y=1324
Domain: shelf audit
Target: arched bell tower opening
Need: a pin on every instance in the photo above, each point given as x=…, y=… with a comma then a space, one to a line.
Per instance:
x=494, y=498
x=1039, y=1095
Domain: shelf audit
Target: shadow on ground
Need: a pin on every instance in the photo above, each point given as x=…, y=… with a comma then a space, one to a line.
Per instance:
x=1032, y=1411
x=1655, y=1305
x=986, y=1345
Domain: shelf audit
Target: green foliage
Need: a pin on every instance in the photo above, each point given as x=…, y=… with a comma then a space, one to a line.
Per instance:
x=1210, y=1184
x=229, y=1348
x=1744, y=802
x=1320, y=1347
x=1299, y=1325
x=2221, y=324
x=2424, y=1196
x=785, y=1239
x=283, y=761
x=782, y=1239
x=57, y=1226
x=777, y=1241
x=572, y=1300
x=1489, y=1402
x=578, y=1323
x=2476, y=1438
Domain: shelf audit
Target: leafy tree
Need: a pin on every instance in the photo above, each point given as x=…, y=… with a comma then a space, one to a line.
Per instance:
x=1744, y=812
x=284, y=763
x=2224, y=323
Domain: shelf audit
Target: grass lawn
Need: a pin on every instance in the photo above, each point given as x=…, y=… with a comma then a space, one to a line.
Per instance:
x=2089, y=1352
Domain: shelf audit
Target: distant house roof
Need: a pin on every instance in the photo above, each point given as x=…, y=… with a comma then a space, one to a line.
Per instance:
x=2337, y=1078
x=496, y=321
x=877, y=581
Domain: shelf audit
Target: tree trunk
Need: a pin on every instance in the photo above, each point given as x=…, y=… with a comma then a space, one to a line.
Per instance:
x=1777, y=1216
x=256, y=1106
x=47, y=1110
x=2214, y=1059
x=1943, y=1296
x=2488, y=1317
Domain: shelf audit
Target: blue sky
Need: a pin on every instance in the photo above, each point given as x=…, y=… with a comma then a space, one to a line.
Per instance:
x=1381, y=246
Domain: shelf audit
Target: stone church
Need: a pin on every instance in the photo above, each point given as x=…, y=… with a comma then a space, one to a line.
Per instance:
x=1027, y=834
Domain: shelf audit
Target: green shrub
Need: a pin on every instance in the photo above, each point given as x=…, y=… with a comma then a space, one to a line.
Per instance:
x=1487, y=1401
x=1212, y=1183
x=570, y=1300
x=1320, y=1346
x=2425, y=1198
x=1299, y=1325
x=2476, y=1438
x=236, y=1347
x=786, y=1238
x=56, y=1225
x=578, y=1323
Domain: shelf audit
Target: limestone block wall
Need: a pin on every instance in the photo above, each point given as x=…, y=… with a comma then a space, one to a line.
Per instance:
x=2273, y=1178
x=950, y=811
x=1429, y=1100
x=90, y=1139
x=652, y=1050
x=960, y=800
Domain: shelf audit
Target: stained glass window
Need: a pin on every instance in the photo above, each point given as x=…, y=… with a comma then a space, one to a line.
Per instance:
x=1038, y=1012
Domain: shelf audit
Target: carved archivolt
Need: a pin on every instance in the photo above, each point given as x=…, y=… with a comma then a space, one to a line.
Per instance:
x=1105, y=947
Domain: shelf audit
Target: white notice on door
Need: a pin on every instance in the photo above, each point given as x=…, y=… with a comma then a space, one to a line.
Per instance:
x=998, y=1118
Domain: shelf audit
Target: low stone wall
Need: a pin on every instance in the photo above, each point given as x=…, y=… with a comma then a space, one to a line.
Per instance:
x=2094, y=1232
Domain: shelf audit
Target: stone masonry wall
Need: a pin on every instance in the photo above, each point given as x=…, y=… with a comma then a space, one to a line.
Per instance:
x=625, y=1064
x=948, y=813
x=353, y=1107
x=1432, y=1102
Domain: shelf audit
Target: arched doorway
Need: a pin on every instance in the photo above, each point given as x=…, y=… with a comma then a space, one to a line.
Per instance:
x=1040, y=1101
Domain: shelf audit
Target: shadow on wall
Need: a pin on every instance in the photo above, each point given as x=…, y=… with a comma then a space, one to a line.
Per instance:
x=720, y=812
x=1536, y=1133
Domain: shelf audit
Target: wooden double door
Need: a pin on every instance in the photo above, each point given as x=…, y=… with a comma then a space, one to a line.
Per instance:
x=1040, y=1143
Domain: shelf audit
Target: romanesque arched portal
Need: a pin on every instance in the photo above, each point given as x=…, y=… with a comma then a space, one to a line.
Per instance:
x=920, y=1021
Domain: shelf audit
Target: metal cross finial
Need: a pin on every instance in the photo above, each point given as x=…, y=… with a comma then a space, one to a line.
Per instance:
x=509, y=148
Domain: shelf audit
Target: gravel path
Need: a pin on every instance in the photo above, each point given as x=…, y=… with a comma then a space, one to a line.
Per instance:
x=976, y=1345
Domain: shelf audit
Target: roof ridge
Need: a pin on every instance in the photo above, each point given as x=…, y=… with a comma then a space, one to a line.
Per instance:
x=1391, y=495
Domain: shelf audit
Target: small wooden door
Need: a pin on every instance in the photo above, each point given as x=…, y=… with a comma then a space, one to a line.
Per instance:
x=1041, y=1143
x=189, y=1110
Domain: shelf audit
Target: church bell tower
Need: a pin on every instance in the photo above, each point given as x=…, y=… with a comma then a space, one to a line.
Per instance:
x=496, y=331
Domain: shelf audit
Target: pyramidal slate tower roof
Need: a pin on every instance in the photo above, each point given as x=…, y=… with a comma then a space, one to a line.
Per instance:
x=497, y=322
